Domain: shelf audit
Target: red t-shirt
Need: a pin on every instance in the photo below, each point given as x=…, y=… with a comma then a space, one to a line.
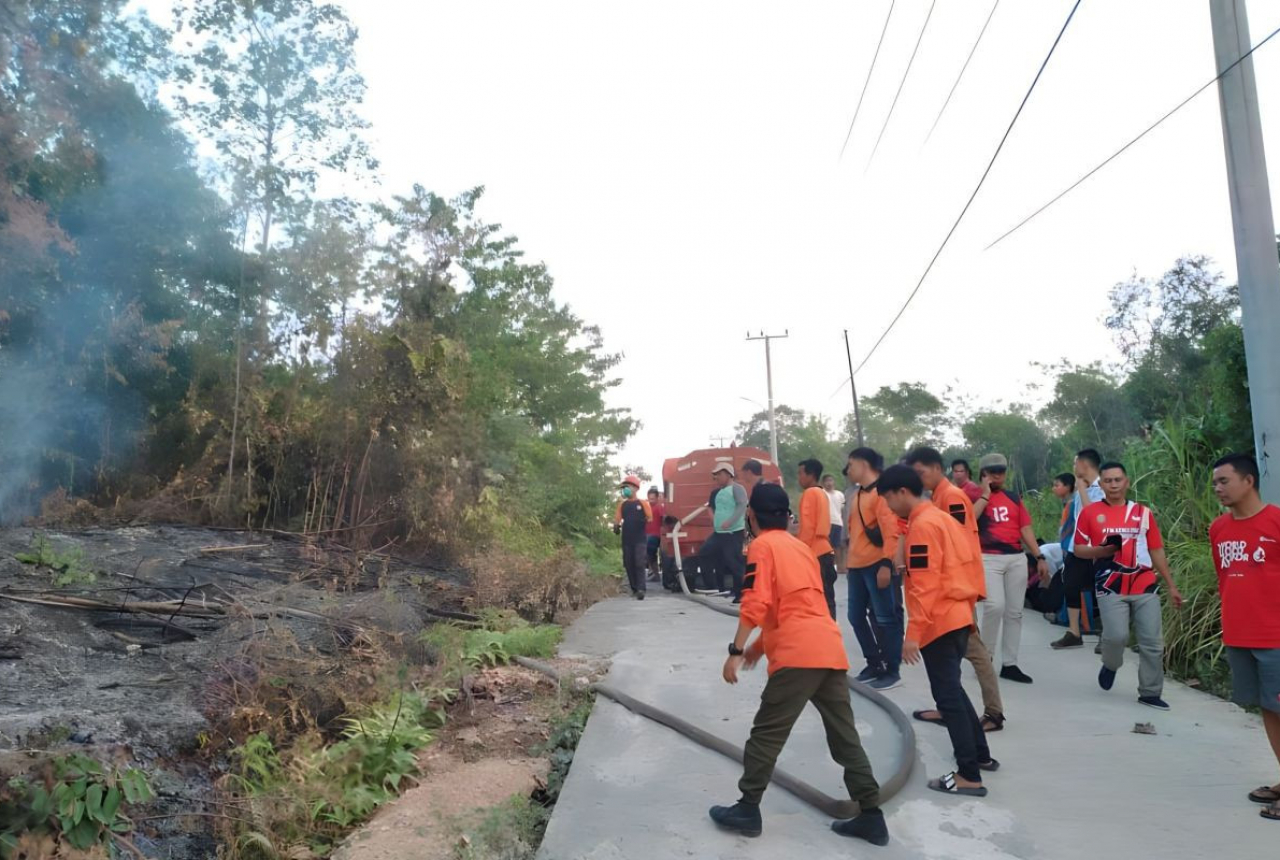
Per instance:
x=653, y=528
x=1000, y=526
x=1246, y=554
x=1129, y=571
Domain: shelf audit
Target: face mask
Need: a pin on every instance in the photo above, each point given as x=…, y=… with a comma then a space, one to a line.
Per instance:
x=626, y=492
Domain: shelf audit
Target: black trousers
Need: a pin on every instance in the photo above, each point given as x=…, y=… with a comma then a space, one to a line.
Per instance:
x=725, y=550
x=827, y=563
x=942, y=659
x=634, y=562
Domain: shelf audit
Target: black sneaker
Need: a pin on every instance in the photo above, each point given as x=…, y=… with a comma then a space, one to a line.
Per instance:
x=1154, y=702
x=1106, y=678
x=870, y=673
x=869, y=825
x=742, y=816
x=639, y=595
x=1013, y=673
x=1068, y=640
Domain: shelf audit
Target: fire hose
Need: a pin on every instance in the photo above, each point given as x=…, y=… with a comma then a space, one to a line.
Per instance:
x=799, y=788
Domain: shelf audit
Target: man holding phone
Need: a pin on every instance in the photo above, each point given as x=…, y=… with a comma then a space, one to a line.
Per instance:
x=1123, y=541
x=1004, y=531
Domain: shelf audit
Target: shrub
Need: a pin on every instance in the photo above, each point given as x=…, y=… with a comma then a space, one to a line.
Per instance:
x=81, y=803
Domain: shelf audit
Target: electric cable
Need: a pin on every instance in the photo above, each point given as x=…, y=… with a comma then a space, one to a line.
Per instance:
x=976, y=189
x=902, y=83
x=1122, y=149
x=960, y=76
x=867, y=82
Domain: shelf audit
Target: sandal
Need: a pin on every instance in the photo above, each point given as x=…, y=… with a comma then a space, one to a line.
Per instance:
x=921, y=716
x=1266, y=794
x=947, y=785
x=990, y=765
x=992, y=722
x=1272, y=811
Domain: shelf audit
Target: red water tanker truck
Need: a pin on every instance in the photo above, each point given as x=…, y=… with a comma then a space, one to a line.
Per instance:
x=687, y=484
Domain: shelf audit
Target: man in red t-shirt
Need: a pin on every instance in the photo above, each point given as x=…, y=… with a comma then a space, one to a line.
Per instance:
x=1246, y=554
x=1122, y=540
x=1004, y=530
x=653, y=533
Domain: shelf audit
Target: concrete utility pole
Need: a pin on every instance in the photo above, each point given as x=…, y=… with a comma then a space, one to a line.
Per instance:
x=857, y=415
x=1256, y=264
x=768, y=369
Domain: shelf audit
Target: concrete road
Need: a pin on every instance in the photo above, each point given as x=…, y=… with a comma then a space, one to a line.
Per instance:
x=1075, y=782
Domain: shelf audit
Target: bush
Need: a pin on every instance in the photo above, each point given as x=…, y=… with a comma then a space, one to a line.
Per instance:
x=460, y=649
x=80, y=803
x=312, y=793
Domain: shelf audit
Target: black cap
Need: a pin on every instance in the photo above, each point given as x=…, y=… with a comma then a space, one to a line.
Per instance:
x=770, y=499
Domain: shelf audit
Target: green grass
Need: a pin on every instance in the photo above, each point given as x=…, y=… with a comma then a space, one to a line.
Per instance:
x=460, y=649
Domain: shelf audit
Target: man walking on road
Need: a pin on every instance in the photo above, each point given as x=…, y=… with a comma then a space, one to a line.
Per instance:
x=1004, y=530
x=815, y=526
x=724, y=547
x=944, y=578
x=1246, y=554
x=630, y=520
x=1123, y=541
x=1077, y=573
x=783, y=596
x=951, y=500
x=874, y=584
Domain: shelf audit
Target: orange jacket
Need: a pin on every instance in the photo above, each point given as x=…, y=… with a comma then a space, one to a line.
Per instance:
x=952, y=500
x=782, y=595
x=815, y=521
x=868, y=507
x=943, y=563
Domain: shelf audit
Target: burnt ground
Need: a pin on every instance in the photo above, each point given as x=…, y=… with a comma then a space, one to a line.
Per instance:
x=158, y=689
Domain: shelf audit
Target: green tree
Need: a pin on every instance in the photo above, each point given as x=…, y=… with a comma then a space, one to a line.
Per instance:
x=898, y=418
x=1016, y=436
x=273, y=85
x=801, y=436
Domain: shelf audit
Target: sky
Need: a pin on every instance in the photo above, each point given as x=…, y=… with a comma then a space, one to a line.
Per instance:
x=677, y=166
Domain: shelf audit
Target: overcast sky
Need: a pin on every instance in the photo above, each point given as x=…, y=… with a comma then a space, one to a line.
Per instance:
x=676, y=166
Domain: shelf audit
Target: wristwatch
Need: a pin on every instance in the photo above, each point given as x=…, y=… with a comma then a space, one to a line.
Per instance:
x=735, y=651
x=1039, y=558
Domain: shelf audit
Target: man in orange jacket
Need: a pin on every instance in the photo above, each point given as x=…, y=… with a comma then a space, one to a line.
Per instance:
x=815, y=526
x=952, y=500
x=943, y=570
x=782, y=594
x=875, y=602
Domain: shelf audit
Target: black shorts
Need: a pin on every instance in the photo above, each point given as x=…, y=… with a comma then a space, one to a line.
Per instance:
x=1077, y=577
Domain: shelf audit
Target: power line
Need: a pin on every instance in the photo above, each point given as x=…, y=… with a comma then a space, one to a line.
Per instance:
x=867, y=83
x=903, y=82
x=1122, y=149
x=960, y=76
x=978, y=188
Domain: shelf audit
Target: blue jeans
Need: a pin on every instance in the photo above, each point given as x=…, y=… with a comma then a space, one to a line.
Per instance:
x=877, y=618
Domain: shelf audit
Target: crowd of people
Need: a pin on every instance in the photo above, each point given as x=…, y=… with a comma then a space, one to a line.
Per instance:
x=938, y=570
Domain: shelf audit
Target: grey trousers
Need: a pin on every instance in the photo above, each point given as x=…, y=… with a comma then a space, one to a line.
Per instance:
x=1143, y=610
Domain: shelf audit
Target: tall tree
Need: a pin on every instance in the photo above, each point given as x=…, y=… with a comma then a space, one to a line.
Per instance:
x=273, y=85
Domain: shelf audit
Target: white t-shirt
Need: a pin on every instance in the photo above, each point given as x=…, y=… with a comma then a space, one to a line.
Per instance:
x=836, y=498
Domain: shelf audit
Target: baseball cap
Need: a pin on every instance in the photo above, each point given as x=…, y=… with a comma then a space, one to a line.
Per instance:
x=725, y=467
x=993, y=461
x=770, y=499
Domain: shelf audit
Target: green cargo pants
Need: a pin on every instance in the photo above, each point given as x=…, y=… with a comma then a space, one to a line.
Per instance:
x=785, y=695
